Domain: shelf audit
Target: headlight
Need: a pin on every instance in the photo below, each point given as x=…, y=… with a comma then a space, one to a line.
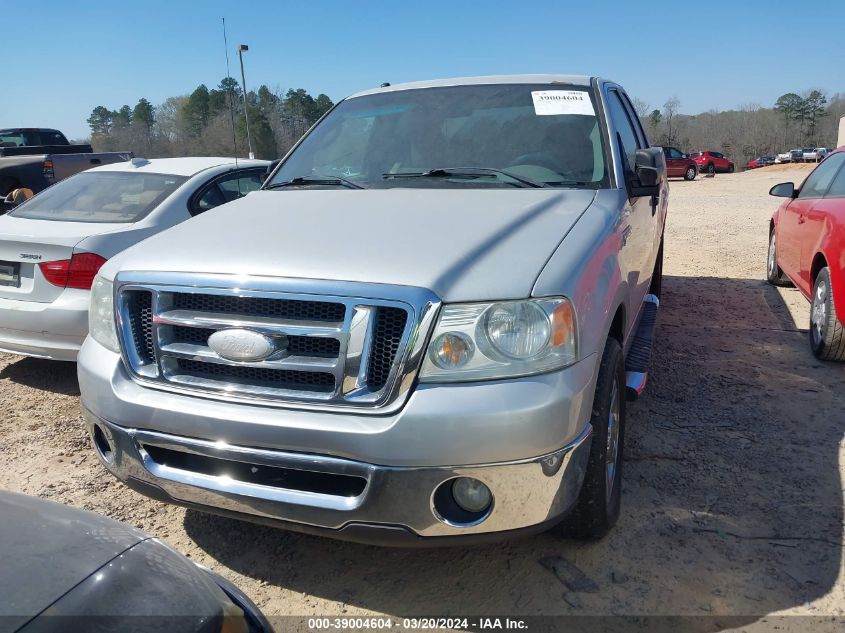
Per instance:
x=101, y=325
x=478, y=341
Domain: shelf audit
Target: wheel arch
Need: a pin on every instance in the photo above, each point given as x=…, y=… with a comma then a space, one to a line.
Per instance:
x=617, y=325
x=837, y=282
x=819, y=262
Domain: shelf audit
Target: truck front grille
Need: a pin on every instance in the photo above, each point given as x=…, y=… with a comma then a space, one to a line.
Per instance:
x=327, y=350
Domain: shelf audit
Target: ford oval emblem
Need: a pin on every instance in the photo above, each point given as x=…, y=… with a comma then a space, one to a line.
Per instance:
x=241, y=345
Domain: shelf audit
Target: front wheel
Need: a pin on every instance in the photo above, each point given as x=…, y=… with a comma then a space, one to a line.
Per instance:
x=711, y=169
x=774, y=274
x=731, y=168
x=597, y=508
x=690, y=173
x=827, y=336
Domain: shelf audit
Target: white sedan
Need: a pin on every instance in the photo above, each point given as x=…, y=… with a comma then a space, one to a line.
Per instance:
x=52, y=245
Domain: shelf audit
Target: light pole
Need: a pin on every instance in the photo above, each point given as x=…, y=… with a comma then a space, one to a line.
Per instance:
x=241, y=49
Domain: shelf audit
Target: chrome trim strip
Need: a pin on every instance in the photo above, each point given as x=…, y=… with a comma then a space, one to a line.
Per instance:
x=354, y=335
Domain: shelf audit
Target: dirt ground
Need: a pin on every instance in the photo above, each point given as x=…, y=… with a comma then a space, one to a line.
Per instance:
x=733, y=480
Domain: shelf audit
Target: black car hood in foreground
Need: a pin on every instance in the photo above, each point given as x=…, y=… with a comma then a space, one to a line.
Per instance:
x=64, y=569
x=47, y=548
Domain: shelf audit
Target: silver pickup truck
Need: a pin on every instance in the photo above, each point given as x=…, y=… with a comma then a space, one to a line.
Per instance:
x=423, y=329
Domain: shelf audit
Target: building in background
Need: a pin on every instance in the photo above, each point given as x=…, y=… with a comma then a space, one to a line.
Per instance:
x=841, y=141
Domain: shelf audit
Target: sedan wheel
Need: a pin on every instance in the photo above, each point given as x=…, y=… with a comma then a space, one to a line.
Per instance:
x=827, y=336
x=774, y=275
x=690, y=173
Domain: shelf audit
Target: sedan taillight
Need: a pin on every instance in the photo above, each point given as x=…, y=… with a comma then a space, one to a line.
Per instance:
x=77, y=272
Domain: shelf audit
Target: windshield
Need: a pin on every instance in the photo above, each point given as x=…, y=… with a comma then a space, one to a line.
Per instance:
x=519, y=133
x=100, y=197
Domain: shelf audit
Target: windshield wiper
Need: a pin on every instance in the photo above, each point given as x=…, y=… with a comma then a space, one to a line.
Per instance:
x=446, y=172
x=300, y=181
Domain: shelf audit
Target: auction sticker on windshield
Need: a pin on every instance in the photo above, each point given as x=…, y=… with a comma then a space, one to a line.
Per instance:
x=548, y=102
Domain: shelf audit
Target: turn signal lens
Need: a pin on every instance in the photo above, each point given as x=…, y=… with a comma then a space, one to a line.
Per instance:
x=563, y=325
x=452, y=350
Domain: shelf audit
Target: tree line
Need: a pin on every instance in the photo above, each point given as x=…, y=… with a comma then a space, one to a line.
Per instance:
x=202, y=123
x=209, y=122
x=810, y=119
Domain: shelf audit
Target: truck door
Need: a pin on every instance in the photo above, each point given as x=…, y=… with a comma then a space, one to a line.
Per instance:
x=639, y=250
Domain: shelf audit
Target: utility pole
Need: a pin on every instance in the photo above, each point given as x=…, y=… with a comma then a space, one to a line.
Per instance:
x=241, y=49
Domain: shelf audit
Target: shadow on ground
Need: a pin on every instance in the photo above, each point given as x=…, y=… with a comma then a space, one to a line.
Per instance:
x=732, y=506
x=49, y=375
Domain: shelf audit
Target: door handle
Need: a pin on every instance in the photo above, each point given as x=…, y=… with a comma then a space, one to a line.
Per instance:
x=95, y=161
x=801, y=219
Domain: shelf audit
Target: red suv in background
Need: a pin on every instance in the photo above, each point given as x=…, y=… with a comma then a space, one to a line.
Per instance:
x=711, y=162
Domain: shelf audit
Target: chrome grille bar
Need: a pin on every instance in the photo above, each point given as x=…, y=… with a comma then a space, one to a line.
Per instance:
x=338, y=373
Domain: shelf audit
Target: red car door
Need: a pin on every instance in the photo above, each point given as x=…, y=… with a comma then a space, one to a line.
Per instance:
x=805, y=218
x=675, y=163
x=788, y=244
x=827, y=211
x=671, y=163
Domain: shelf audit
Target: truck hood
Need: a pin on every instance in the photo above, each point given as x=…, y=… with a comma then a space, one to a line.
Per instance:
x=464, y=245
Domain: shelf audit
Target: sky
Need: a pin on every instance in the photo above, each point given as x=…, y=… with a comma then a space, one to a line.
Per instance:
x=62, y=58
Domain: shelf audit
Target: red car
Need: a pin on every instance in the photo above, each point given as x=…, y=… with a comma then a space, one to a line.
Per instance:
x=711, y=162
x=679, y=164
x=752, y=164
x=807, y=248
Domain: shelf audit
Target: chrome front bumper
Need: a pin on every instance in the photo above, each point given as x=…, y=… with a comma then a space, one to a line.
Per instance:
x=526, y=492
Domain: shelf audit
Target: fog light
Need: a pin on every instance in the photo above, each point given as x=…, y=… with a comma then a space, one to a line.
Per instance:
x=471, y=494
x=102, y=444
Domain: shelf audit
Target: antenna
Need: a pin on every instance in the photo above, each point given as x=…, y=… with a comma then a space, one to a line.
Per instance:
x=231, y=103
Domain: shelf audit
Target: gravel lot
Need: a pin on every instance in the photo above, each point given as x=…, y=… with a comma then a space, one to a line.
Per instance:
x=733, y=483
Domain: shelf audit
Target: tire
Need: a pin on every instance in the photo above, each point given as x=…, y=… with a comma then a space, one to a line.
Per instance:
x=711, y=169
x=597, y=508
x=690, y=173
x=657, y=275
x=774, y=274
x=827, y=336
x=731, y=168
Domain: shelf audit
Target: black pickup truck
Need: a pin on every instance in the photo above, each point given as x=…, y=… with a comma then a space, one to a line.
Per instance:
x=35, y=158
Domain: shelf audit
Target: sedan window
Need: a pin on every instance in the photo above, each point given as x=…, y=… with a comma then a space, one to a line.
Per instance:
x=837, y=187
x=100, y=196
x=230, y=187
x=817, y=183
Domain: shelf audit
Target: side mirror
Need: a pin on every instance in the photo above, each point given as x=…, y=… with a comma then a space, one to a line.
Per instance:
x=649, y=172
x=270, y=169
x=784, y=190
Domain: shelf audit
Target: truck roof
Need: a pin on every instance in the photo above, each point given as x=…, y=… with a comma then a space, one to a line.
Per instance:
x=18, y=130
x=187, y=166
x=576, y=80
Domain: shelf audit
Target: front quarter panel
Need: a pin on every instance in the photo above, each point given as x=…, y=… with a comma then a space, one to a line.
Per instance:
x=586, y=267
